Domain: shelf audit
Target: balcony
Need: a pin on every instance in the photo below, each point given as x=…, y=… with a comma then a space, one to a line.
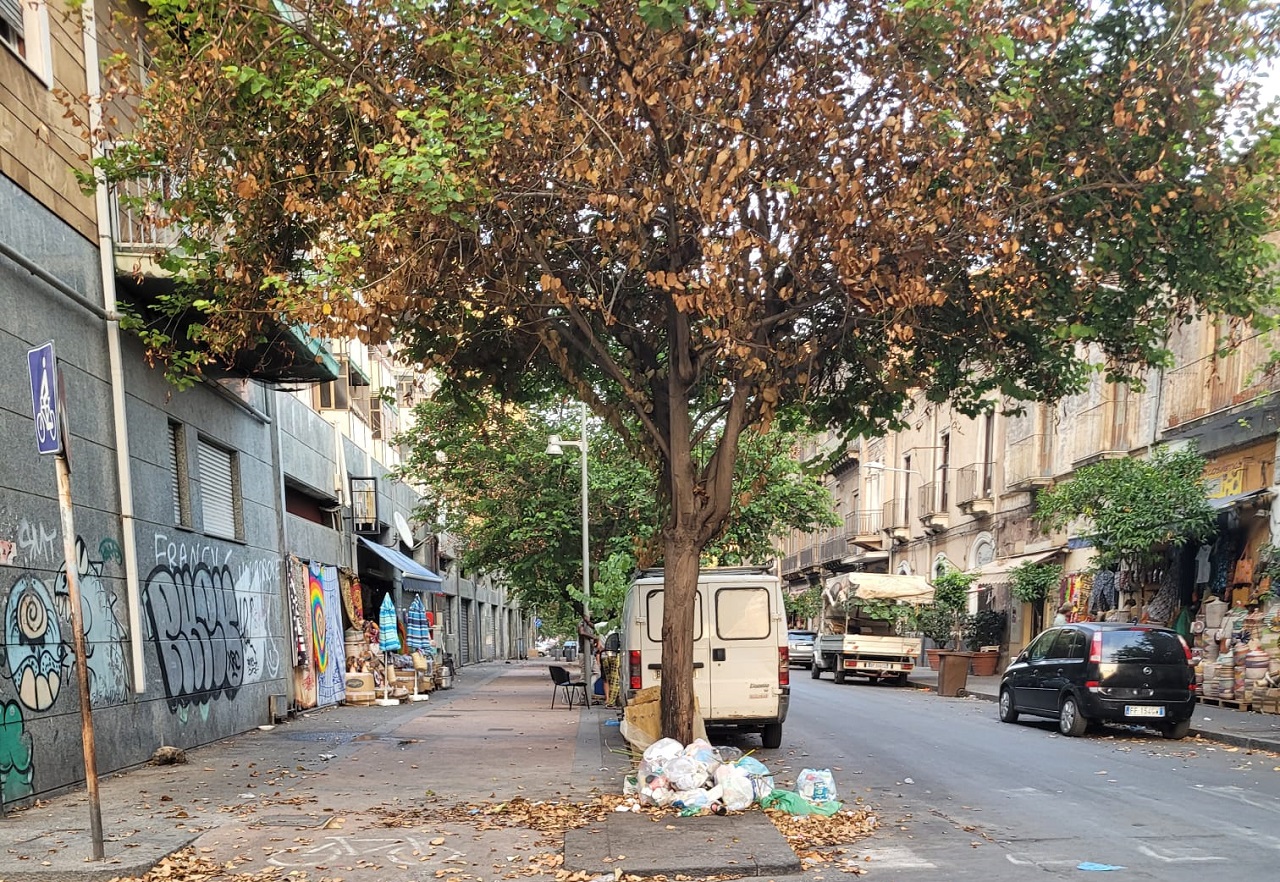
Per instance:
x=973, y=489
x=1102, y=431
x=866, y=529
x=140, y=231
x=895, y=521
x=1028, y=464
x=933, y=512
x=833, y=549
x=1216, y=384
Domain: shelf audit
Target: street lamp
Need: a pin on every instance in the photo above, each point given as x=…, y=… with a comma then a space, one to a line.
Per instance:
x=555, y=447
x=874, y=466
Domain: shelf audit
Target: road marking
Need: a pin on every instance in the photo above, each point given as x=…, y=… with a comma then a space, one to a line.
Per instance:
x=1028, y=861
x=400, y=851
x=1239, y=794
x=1176, y=858
x=892, y=857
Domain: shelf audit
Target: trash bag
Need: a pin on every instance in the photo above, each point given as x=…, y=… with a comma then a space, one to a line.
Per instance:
x=817, y=785
x=736, y=784
x=656, y=791
x=794, y=804
x=758, y=773
x=730, y=754
x=662, y=751
x=704, y=753
x=631, y=785
x=686, y=773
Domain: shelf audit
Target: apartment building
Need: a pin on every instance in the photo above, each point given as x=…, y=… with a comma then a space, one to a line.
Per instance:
x=951, y=490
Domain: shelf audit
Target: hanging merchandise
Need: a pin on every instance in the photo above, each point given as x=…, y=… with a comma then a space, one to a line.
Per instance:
x=1105, y=595
x=297, y=630
x=388, y=642
x=352, y=602
x=1160, y=609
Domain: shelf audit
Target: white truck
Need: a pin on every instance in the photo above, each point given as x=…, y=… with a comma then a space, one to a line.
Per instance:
x=850, y=642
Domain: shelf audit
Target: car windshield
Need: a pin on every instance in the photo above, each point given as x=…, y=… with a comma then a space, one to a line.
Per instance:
x=1142, y=645
x=801, y=636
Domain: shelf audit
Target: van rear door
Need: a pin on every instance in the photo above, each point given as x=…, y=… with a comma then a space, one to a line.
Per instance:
x=651, y=651
x=744, y=653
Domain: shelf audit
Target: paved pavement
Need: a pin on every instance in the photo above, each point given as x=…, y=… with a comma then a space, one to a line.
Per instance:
x=370, y=793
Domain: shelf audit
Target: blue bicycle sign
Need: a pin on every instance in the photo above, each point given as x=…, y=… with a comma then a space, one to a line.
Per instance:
x=42, y=365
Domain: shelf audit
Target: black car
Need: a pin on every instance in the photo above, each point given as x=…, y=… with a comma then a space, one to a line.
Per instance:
x=1103, y=672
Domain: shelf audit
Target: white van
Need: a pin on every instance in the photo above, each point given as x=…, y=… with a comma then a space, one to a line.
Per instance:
x=741, y=675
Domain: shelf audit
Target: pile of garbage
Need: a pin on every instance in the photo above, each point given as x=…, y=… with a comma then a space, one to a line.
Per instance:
x=698, y=778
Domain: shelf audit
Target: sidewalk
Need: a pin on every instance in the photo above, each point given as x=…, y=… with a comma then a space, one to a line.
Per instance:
x=1255, y=731
x=371, y=793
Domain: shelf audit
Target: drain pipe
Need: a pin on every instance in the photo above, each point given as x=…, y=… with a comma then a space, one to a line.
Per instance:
x=106, y=252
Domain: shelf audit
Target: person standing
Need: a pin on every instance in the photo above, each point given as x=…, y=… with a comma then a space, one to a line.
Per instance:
x=1062, y=617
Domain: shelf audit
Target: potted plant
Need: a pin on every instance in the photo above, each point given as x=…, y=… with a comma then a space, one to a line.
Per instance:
x=942, y=621
x=936, y=624
x=983, y=634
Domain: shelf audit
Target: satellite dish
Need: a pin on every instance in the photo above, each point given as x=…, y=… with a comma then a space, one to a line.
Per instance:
x=405, y=531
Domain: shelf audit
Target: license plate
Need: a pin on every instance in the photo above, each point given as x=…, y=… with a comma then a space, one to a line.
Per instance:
x=1142, y=710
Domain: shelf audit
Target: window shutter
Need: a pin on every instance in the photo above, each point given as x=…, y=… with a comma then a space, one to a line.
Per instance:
x=11, y=14
x=217, y=491
x=176, y=458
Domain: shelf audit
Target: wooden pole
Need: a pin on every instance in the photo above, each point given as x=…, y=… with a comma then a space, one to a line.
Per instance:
x=82, y=667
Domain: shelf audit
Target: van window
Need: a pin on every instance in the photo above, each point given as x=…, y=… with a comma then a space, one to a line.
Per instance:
x=1142, y=645
x=742, y=613
x=653, y=616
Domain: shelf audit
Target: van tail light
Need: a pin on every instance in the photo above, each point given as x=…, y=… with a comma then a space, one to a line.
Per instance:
x=1186, y=649
x=633, y=665
x=784, y=666
x=1095, y=649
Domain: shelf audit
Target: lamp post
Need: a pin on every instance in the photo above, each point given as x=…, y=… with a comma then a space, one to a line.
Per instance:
x=555, y=447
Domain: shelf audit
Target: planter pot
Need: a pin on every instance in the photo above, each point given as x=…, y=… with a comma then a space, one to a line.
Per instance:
x=983, y=664
x=933, y=655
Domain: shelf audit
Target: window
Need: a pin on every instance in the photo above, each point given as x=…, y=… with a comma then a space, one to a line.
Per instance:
x=906, y=496
x=653, y=616
x=180, y=472
x=1070, y=644
x=1039, y=648
x=944, y=471
x=742, y=613
x=220, y=492
x=988, y=453
x=24, y=30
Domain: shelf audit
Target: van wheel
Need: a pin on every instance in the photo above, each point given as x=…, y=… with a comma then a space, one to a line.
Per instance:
x=839, y=675
x=814, y=671
x=1071, y=722
x=901, y=679
x=771, y=736
x=1176, y=731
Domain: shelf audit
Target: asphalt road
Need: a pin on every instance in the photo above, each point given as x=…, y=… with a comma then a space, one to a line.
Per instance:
x=964, y=796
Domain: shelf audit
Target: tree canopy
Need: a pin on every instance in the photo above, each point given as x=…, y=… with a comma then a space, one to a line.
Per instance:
x=1131, y=510
x=696, y=213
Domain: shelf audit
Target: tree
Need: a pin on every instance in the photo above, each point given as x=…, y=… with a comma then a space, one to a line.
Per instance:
x=1031, y=583
x=1131, y=510
x=486, y=477
x=695, y=213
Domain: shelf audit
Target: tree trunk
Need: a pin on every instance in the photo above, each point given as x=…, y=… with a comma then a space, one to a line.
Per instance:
x=680, y=585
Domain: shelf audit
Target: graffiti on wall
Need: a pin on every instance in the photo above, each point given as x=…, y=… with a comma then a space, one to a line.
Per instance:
x=208, y=622
x=15, y=754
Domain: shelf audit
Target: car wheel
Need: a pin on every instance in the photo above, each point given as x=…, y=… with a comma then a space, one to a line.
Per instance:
x=1071, y=722
x=1176, y=731
x=1008, y=713
x=814, y=671
x=901, y=679
x=771, y=736
x=839, y=674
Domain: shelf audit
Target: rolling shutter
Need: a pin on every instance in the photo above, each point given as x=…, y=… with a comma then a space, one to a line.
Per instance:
x=217, y=491
x=11, y=14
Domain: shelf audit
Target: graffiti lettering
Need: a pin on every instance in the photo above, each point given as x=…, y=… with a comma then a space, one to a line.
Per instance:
x=38, y=542
x=175, y=554
x=195, y=624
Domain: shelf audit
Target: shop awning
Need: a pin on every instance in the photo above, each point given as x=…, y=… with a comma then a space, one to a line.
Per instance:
x=1225, y=502
x=879, y=586
x=416, y=577
x=998, y=569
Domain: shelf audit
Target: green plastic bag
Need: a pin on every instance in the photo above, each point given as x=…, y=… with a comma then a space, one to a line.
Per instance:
x=794, y=804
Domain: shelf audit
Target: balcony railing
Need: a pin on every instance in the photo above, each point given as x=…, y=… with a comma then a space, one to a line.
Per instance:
x=1105, y=430
x=833, y=549
x=893, y=515
x=931, y=499
x=140, y=229
x=864, y=523
x=974, y=482
x=808, y=557
x=1027, y=462
x=1215, y=383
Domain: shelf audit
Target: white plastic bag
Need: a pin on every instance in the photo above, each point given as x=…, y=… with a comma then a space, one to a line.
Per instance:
x=704, y=753
x=817, y=785
x=737, y=788
x=662, y=751
x=761, y=781
x=686, y=773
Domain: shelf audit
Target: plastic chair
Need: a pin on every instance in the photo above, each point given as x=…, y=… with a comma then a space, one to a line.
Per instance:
x=563, y=680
